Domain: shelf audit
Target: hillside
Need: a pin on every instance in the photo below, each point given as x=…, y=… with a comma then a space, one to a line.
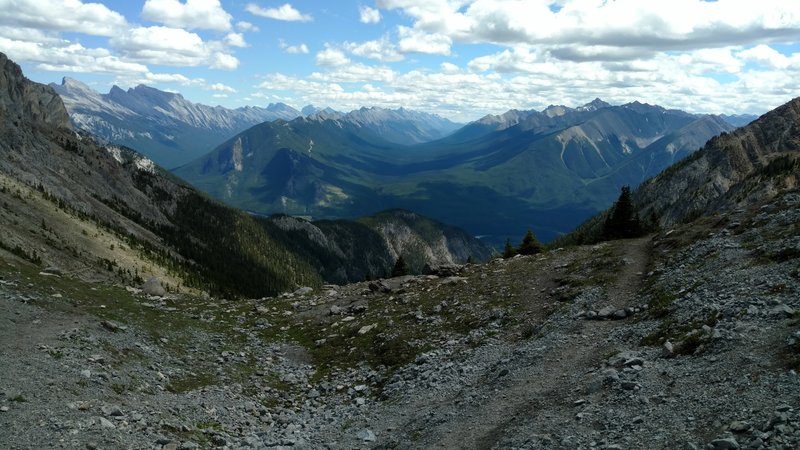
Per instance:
x=752, y=163
x=635, y=344
x=106, y=213
x=545, y=170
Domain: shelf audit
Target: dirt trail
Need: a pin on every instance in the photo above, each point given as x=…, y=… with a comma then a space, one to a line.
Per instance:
x=541, y=386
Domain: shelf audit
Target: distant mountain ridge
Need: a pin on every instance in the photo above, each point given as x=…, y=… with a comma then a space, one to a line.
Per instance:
x=172, y=131
x=161, y=125
x=496, y=177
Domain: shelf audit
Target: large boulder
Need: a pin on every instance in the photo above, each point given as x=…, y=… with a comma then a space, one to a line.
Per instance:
x=153, y=287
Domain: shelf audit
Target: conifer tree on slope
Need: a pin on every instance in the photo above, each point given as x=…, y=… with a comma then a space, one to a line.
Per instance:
x=623, y=222
x=530, y=245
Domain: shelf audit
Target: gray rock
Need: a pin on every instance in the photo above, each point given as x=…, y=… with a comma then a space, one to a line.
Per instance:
x=153, y=287
x=111, y=326
x=606, y=312
x=111, y=411
x=619, y=314
x=782, y=310
x=724, y=444
x=738, y=426
x=304, y=290
x=105, y=423
x=669, y=349
x=366, y=435
x=53, y=270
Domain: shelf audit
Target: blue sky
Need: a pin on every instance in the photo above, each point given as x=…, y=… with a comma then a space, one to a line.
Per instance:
x=458, y=58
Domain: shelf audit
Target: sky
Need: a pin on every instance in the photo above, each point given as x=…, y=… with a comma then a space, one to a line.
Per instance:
x=461, y=59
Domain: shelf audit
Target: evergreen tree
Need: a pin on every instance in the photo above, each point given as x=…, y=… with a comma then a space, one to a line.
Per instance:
x=623, y=222
x=400, y=267
x=530, y=245
x=509, y=250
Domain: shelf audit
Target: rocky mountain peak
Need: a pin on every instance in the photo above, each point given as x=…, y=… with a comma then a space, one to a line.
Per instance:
x=25, y=101
x=594, y=105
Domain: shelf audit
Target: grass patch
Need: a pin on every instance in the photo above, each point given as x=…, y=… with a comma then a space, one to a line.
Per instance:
x=191, y=382
x=686, y=338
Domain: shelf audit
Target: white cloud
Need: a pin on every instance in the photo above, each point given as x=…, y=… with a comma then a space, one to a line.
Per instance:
x=767, y=57
x=414, y=41
x=62, y=15
x=68, y=57
x=331, y=57
x=355, y=73
x=220, y=96
x=235, y=40
x=246, y=27
x=171, y=47
x=161, y=45
x=224, y=61
x=222, y=88
x=285, y=12
x=205, y=14
x=594, y=30
x=301, y=49
x=369, y=15
x=380, y=49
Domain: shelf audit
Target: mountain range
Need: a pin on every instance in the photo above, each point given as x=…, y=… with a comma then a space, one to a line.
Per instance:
x=545, y=170
x=171, y=130
x=108, y=213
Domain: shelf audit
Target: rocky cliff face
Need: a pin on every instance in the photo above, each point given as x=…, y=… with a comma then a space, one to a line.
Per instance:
x=22, y=101
x=734, y=169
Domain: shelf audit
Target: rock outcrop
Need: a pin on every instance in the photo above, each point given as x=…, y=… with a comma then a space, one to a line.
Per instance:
x=23, y=102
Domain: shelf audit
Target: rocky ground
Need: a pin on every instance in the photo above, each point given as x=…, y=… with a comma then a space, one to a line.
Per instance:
x=686, y=339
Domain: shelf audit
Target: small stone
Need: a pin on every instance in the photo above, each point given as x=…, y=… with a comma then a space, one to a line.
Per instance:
x=729, y=443
x=105, y=423
x=635, y=361
x=606, y=312
x=669, y=349
x=619, y=314
x=304, y=290
x=503, y=372
x=366, y=435
x=111, y=411
x=638, y=419
x=4, y=408
x=367, y=328
x=188, y=445
x=110, y=326
x=335, y=310
x=578, y=402
x=783, y=310
x=86, y=373
x=53, y=270
x=738, y=426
